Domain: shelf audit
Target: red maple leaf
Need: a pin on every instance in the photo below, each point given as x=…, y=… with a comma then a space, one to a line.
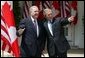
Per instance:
x=8, y=14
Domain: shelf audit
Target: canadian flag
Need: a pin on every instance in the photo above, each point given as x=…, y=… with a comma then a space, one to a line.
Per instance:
x=8, y=29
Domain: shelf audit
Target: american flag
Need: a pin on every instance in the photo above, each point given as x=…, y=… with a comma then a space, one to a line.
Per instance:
x=59, y=8
x=54, y=5
x=25, y=11
x=65, y=9
x=46, y=4
x=56, y=8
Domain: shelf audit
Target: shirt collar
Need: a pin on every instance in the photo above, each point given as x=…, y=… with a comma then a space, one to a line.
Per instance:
x=32, y=19
x=50, y=21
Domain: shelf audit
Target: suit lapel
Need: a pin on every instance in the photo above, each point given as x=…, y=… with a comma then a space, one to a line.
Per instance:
x=30, y=23
x=46, y=26
x=53, y=23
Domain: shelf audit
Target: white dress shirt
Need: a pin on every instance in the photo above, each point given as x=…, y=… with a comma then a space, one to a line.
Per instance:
x=50, y=27
x=36, y=24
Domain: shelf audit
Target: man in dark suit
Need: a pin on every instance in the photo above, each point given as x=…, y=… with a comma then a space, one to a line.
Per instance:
x=33, y=37
x=57, y=44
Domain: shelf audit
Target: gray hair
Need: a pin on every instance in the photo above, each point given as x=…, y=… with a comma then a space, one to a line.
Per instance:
x=46, y=10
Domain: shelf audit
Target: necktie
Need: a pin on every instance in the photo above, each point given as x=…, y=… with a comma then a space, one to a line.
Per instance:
x=35, y=25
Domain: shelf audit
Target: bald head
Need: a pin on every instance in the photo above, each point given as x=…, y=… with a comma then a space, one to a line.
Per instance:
x=48, y=13
x=34, y=11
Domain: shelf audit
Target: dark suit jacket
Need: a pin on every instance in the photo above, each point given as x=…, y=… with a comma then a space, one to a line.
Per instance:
x=32, y=45
x=58, y=39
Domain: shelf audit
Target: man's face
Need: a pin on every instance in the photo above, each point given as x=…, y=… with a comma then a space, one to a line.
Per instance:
x=35, y=13
x=49, y=15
